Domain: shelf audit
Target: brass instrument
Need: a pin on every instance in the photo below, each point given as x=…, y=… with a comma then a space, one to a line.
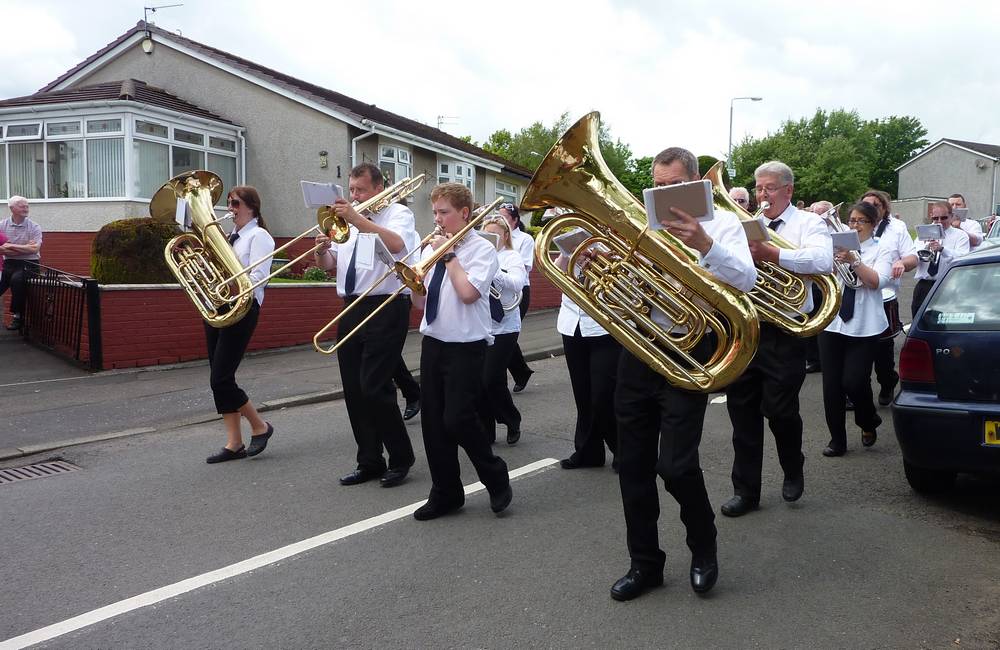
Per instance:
x=643, y=272
x=412, y=278
x=779, y=294
x=327, y=222
x=202, y=261
x=514, y=303
x=842, y=270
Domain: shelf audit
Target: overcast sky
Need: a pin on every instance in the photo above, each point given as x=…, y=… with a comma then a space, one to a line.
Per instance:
x=662, y=73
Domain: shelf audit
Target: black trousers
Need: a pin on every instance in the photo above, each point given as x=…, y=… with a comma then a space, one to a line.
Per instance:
x=519, y=369
x=885, y=355
x=659, y=431
x=920, y=291
x=367, y=363
x=405, y=382
x=15, y=277
x=768, y=389
x=495, y=403
x=226, y=347
x=592, y=362
x=450, y=383
x=812, y=344
x=847, y=370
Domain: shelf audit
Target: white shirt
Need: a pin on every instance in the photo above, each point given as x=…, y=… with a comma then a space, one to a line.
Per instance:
x=571, y=317
x=869, y=316
x=457, y=322
x=397, y=218
x=972, y=227
x=956, y=244
x=525, y=245
x=510, y=280
x=895, y=239
x=814, y=247
x=255, y=243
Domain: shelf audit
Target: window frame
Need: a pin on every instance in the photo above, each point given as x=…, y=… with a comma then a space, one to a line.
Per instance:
x=397, y=148
x=22, y=138
x=453, y=176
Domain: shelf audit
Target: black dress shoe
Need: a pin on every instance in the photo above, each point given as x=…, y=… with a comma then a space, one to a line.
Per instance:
x=393, y=477
x=704, y=573
x=813, y=366
x=635, y=582
x=226, y=454
x=412, y=408
x=575, y=463
x=739, y=506
x=435, y=509
x=259, y=442
x=830, y=451
x=792, y=488
x=885, y=395
x=359, y=476
x=868, y=438
x=499, y=502
x=520, y=385
x=513, y=435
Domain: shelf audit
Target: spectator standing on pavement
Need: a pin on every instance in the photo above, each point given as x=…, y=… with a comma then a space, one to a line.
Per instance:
x=24, y=241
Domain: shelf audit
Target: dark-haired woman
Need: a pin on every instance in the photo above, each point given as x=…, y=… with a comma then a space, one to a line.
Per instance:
x=226, y=346
x=847, y=346
x=525, y=246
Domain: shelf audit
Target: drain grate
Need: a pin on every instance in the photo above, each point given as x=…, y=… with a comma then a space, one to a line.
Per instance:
x=38, y=470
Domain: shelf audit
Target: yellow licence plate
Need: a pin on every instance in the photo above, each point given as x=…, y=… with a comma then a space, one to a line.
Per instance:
x=992, y=434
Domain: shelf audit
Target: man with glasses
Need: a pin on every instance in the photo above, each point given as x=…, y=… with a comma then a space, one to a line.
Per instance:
x=741, y=196
x=770, y=386
x=954, y=243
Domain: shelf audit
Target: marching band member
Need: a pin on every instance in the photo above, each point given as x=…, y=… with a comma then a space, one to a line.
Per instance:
x=456, y=328
x=971, y=227
x=496, y=404
x=848, y=345
x=226, y=346
x=892, y=234
x=370, y=358
x=525, y=246
x=954, y=243
x=659, y=425
x=770, y=386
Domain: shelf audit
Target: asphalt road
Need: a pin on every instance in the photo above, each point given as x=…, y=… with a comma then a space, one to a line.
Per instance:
x=859, y=562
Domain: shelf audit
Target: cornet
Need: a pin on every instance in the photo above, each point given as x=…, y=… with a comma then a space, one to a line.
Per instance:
x=842, y=270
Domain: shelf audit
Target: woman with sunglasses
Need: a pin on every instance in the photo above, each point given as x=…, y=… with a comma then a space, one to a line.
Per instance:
x=226, y=346
x=525, y=245
x=496, y=404
x=847, y=346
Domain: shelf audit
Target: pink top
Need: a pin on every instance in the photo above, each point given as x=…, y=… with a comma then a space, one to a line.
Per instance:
x=3, y=240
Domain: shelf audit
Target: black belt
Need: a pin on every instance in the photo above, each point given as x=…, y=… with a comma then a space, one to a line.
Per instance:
x=373, y=298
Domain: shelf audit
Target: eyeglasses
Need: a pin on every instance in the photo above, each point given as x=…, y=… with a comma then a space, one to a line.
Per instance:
x=946, y=217
x=854, y=222
x=742, y=201
x=235, y=203
x=770, y=189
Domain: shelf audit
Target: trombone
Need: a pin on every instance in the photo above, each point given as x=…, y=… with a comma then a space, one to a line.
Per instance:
x=411, y=277
x=328, y=222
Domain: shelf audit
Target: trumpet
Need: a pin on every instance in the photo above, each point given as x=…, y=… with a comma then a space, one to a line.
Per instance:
x=842, y=270
x=515, y=302
x=411, y=277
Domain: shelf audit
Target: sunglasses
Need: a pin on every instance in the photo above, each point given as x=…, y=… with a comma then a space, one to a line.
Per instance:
x=507, y=206
x=235, y=203
x=944, y=218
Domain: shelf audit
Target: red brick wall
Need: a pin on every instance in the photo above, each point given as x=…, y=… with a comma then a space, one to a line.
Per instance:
x=68, y=251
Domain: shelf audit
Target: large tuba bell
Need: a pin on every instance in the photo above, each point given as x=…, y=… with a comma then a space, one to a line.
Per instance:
x=203, y=261
x=646, y=273
x=779, y=294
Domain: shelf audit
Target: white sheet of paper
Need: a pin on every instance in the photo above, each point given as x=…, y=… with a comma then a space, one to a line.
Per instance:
x=316, y=195
x=568, y=241
x=180, y=215
x=848, y=240
x=382, y=253
x=694, y=197
x=961, y=213
x=491, y=237
x=364, y=256
x=930, y=231
x=755, y=230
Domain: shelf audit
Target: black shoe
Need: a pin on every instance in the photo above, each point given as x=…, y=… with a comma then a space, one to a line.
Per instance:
x=15, y=323
x=792, y=488
x=359, y=476
x=739, y=506
x=259, y=442
x=393, y=477
x=499, y=502
x=513, y=435
x=832, y=451
x=412, y=408
x=519, y=385
x=885, y=396
x=813, y=366
x=704, y=573
x=868, y=438
x=635, y=582
x=848, y=404
x=435, y=509
x=575, y=463
x=227, y=454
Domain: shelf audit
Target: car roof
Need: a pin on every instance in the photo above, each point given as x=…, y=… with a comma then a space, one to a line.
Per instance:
x=987, y=253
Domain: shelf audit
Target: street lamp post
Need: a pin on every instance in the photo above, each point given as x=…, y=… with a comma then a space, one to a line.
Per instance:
x=729, y=156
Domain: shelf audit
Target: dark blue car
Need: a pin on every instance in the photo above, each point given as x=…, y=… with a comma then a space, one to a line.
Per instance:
x=947, y=415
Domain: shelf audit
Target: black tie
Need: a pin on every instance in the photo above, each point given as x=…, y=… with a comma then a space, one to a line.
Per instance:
x=932, y=268
x=434, y=292
x=882, y=226
x=847, y=304
x=774, y=224
x=233, y=237
x=351, y=274
x=496, y=309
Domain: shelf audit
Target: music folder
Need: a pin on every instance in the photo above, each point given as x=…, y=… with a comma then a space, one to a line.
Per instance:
x=694, y=197
x=755, y=230
x=847, y=240
x=961, y=213
x=930, y=232
x=491, y=237
x=568, y=241
x=317, y=195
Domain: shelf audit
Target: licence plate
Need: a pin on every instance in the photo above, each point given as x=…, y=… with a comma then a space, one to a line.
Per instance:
x=992, y=433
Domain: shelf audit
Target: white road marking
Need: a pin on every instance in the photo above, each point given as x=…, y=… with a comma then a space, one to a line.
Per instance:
x=721, y=399
x=45, y=381
x=170, y=591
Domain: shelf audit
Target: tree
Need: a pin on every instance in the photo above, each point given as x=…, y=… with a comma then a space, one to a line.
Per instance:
x=896, y=140
x=705, y=163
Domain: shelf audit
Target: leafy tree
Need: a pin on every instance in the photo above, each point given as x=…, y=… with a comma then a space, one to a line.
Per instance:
x=705, y=163
x=897, y=139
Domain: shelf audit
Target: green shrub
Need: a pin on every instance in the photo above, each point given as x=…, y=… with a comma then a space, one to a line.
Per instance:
x=315, y=274
x=130, y=251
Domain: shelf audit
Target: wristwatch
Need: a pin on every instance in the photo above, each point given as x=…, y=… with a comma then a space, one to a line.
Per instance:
x=447, y=257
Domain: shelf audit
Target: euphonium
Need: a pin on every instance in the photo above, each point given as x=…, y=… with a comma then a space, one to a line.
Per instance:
x=645, y=271
x=842, y=270
x=203, y=261
x=779, y=294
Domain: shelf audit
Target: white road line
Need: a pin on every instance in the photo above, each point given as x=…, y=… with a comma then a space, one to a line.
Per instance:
x=170, y=591
x=45, y=381
x=721, y=399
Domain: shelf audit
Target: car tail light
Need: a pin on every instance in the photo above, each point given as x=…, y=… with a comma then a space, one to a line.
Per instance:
x=915, y=362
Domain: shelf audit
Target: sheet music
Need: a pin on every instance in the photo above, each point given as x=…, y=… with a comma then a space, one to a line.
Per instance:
x=316, y=195
x=364, y=251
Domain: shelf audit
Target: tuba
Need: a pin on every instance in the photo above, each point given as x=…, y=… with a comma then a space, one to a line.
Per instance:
x=202, y=261
x=779, y=295
x=643, y=272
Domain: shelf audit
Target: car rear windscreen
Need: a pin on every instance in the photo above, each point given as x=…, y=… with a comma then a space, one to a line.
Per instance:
x=968, y=300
